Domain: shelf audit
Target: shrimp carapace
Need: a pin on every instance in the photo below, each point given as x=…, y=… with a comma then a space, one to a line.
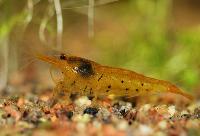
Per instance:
x=86, y=77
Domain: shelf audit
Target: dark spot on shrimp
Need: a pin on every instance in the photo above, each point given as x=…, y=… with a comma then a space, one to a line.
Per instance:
x=61, y=93
x=73, y=96
x=91, y=92
x=84, y=69
x=122, y=81
x=85, y=88
x=62, y=56
x=137, y=90
x=107, y=91
x=73, y=83
x=127, y=89
x=109, y=86
x=147, y=90
x=100, y=77
x=142, y=84
x=73, y=59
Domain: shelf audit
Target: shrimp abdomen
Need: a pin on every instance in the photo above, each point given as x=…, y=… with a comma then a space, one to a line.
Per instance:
x=129, y=83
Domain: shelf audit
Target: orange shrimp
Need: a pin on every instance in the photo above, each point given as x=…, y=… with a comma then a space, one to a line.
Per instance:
x=86, y=77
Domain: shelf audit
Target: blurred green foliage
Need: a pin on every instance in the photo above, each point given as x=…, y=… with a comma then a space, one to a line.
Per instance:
x=152, y=47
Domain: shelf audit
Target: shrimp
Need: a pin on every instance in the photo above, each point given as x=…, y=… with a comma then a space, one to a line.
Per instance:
x=89, y=78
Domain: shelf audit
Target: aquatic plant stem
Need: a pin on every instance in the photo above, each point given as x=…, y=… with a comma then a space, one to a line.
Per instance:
x=59, y=23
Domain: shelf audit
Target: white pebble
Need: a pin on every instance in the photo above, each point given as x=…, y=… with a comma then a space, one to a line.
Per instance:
x=82, y=118
x=184, y=112
x=126, y=107
x=83, y=101
x=129, y=105
x=162, y=124
x=171, y=110
x=103, y=112
x=145, y=130
x=145, y=108
x=81, y=127
x=122, y=125
x=97, y=124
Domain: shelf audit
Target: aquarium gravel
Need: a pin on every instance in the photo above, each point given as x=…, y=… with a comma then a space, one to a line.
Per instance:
x=28, y=109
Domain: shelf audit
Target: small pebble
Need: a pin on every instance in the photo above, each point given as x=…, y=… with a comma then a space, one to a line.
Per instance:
x=145, y=130
x=131, y=115
x=171, y=110
x=160, y=133
x=185, y=115
x=104, y=114
x=6, y=115
x=83, y=101
x=123, y=112
x=122, y=125
x=97, y=124
x=63, y=112
x=69, y=114
x=81, y=127
x=162, y=124
x=184, y=112
x=197, y=112
x=82, y=118
x=24, y=124
x=91, y=111
x=145, y=107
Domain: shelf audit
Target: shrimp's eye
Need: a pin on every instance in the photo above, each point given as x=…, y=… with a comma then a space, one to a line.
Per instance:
x=62, y=56
x=85, y=69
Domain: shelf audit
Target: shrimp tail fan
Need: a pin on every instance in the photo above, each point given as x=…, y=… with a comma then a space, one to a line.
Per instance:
x=176, y=90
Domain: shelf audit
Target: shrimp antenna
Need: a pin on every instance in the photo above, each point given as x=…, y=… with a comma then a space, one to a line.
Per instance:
x=29, y=63
x=51, y=73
